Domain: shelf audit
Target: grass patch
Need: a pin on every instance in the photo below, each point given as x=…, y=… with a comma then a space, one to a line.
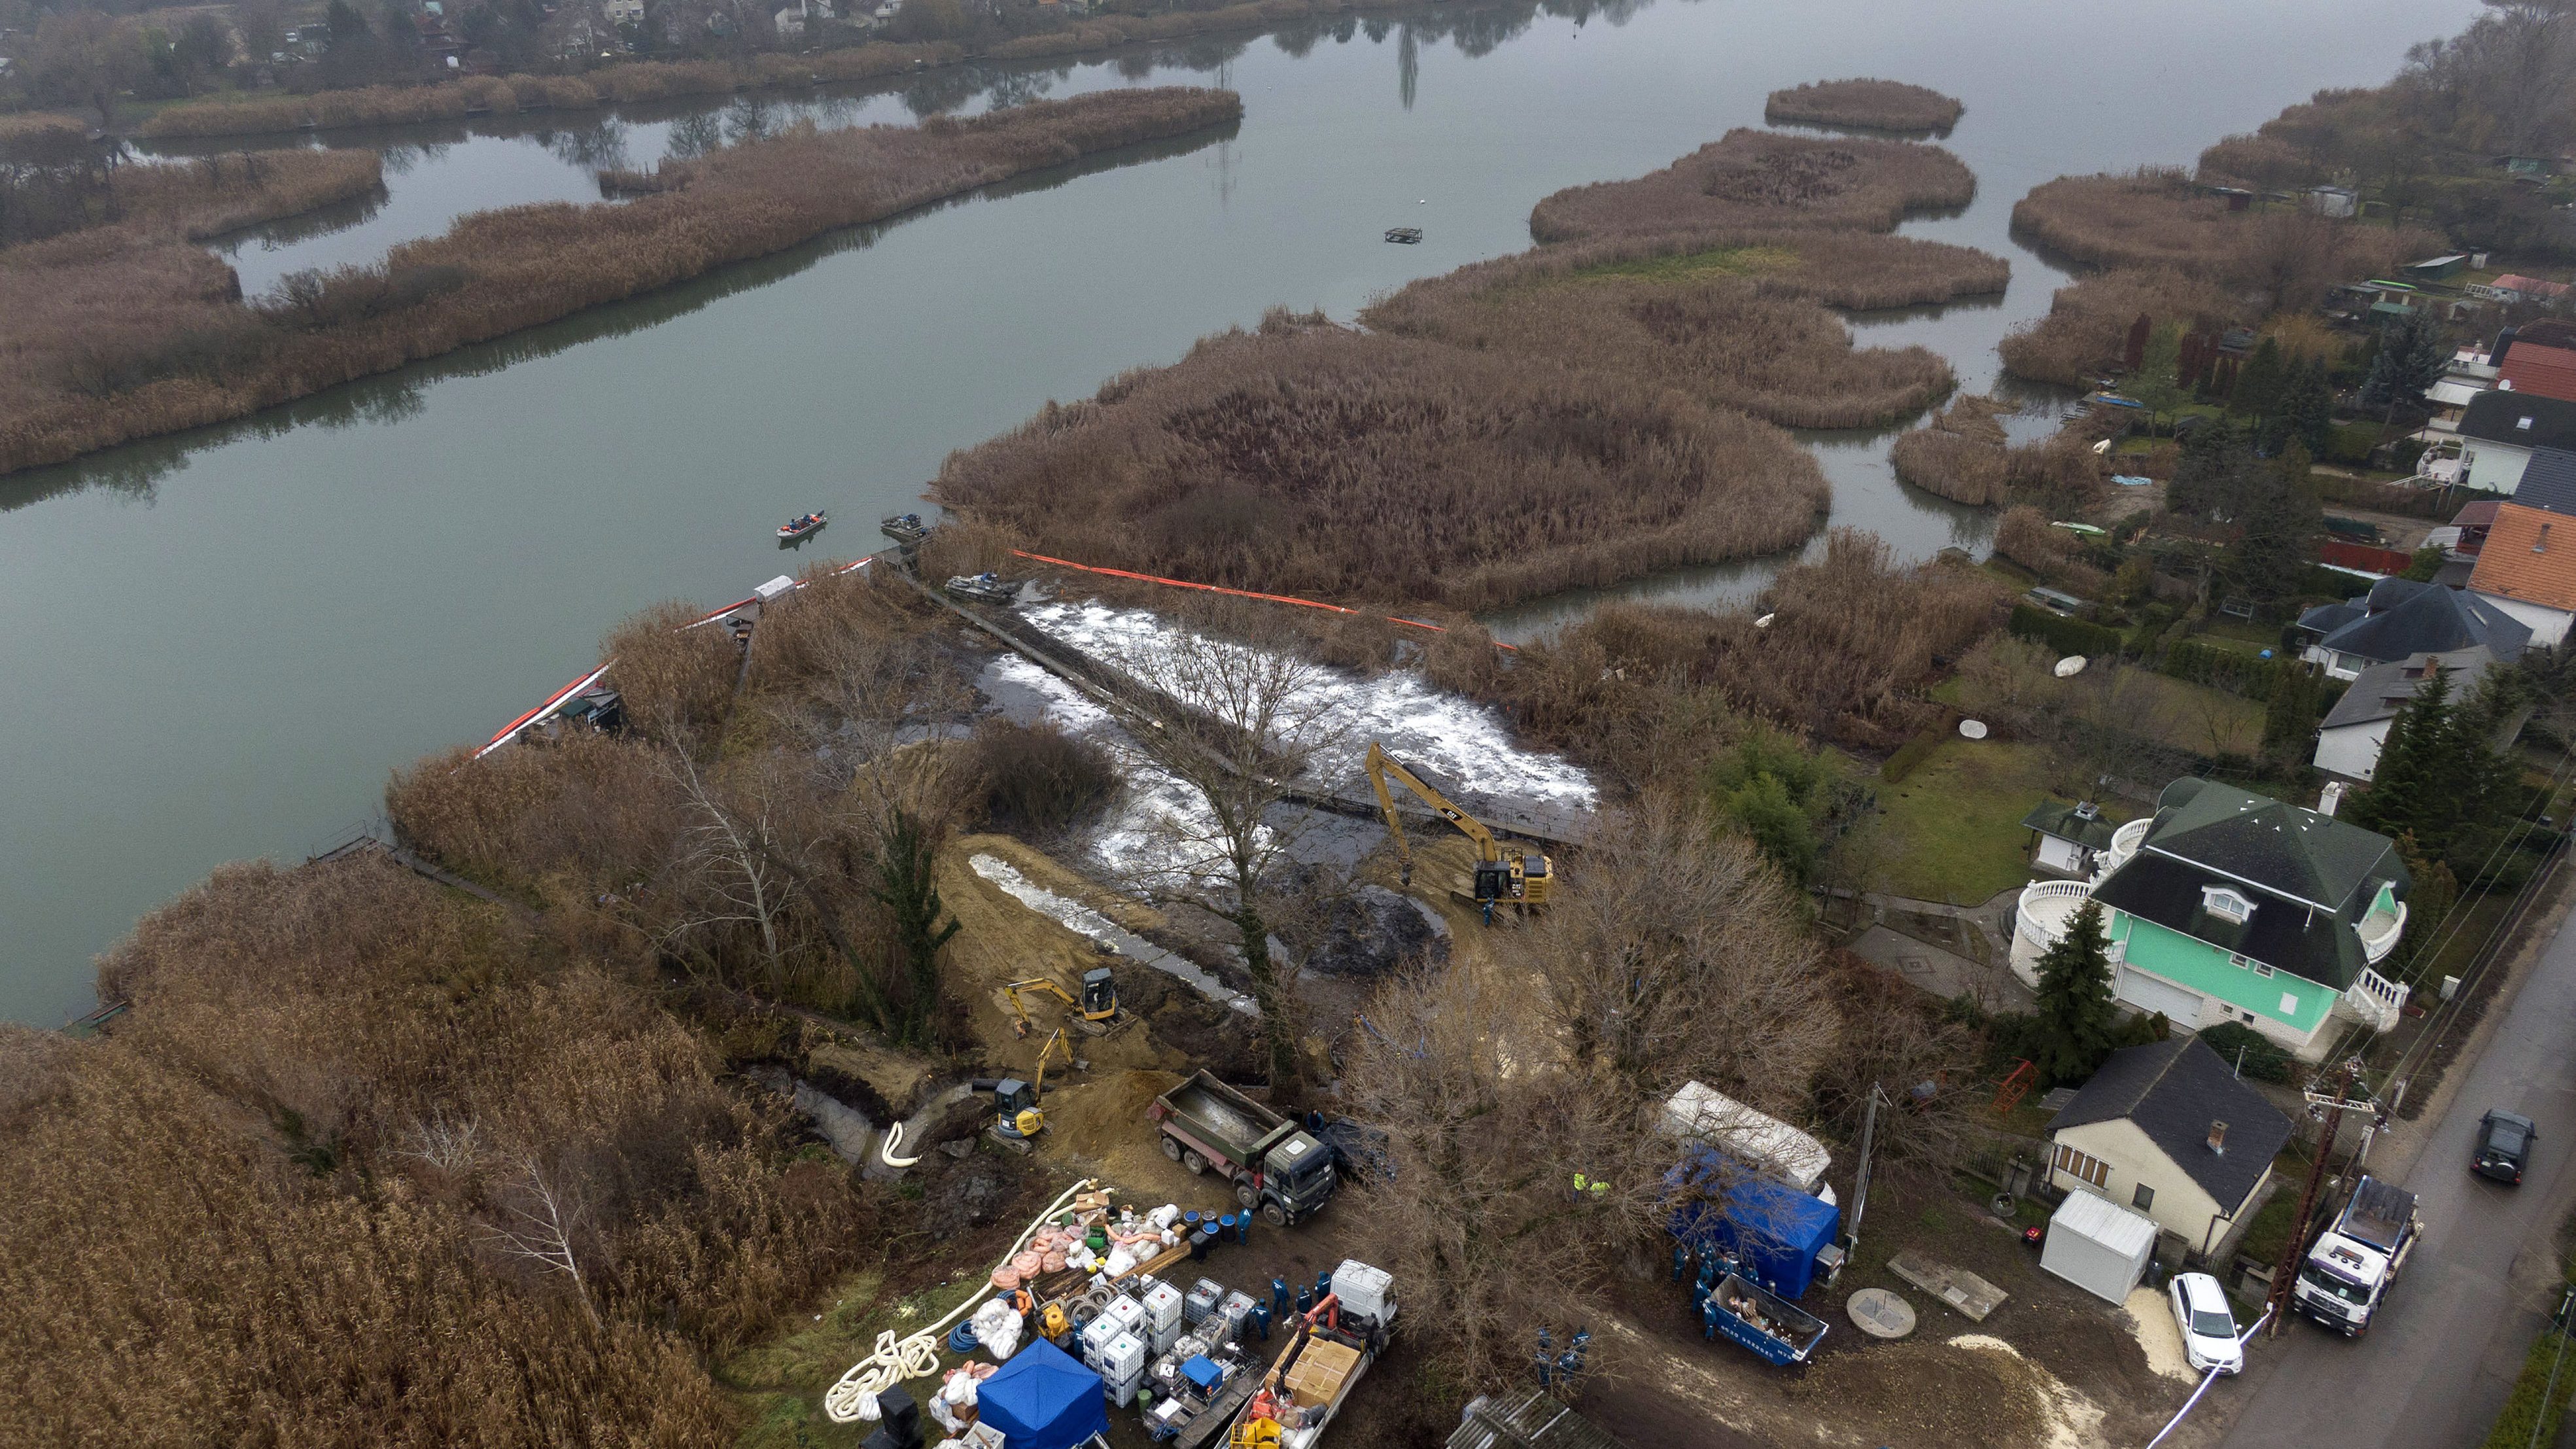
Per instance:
x=1958, y=818
x=1696, y=266
x=784, y=1421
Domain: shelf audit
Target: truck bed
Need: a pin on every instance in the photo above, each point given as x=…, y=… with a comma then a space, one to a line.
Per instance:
x=1212, y=1115
x=2378, y=1214
x=1786, y=1333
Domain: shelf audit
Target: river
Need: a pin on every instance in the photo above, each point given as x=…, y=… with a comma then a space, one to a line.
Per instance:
x=218, y=645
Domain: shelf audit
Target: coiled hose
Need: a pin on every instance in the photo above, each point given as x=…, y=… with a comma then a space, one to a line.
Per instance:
x=855, y=1397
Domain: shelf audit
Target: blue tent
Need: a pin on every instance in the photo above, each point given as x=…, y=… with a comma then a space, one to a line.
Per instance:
x=1772, y=1228
x=1043, y=1399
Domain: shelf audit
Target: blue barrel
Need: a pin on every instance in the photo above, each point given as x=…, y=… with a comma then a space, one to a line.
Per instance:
x=1189, y=1222
x=1225, y=1228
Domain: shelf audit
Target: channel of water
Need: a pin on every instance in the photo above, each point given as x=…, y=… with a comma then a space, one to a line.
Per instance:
x=217, y=645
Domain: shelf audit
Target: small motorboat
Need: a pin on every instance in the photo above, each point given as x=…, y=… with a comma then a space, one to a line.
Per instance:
x=1408, y=235
x=802, y=526
x=905, y=528
x=984, y=588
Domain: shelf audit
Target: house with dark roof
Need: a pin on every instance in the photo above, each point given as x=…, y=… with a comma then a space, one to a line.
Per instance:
x=2400, y=618
x=2227, y=906
x=2500, y=430
x=2169, y=1130
x=2356, y=729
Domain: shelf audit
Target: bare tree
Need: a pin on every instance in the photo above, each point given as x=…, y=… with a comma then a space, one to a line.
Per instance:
x=1673, y=955
x=729, y=862
x=1236, y=724
x=542, y=1218
x=453, y=1145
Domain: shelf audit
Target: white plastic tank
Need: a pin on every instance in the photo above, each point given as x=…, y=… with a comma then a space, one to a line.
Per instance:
x=1096, y=1339
x=1163, y=1307
x=1124, y=1358
x=1127, y=1313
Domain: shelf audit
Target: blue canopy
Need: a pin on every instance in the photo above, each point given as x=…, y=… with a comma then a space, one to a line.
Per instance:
x=1043, y=1399
x=1773, y=1229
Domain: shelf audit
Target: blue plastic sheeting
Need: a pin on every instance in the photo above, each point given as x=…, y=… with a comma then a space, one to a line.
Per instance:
x=2131, y=480
x=1043, y=1399
x=1771, y=1228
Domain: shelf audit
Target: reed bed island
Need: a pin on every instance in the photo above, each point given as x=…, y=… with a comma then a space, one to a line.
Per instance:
x=1864, y=103
x=128, y=331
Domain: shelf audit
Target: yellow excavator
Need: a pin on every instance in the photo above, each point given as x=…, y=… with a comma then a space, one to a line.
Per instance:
x=1519, y=879
x=1094, y=1013
x=1019, y=1106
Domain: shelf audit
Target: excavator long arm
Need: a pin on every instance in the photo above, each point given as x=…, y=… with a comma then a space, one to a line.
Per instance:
x=1380, y=765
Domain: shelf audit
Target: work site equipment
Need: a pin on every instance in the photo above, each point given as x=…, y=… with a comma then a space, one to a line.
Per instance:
x=1518, y=879
x=1094, y=1013
x=1277, y=1169
x=1018, y=1111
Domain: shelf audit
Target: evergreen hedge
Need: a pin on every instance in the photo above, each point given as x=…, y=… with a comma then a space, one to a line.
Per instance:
x=2066, y=636
x=2219, y=668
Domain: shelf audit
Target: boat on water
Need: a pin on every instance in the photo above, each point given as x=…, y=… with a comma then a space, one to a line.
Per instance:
x=802, y=526
x=984, y=588
x=1407, y=235
x=905, y=528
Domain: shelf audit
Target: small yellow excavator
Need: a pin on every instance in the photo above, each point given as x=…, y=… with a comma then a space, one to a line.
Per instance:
x=1094, y=1013
x=1520, y=879
x=1019, y=1106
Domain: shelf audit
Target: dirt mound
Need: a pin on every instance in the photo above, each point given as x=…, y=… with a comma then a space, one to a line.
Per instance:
x=1367, y=934
x=966, y=1193
x=1101, y=1116
x=1932, y=1393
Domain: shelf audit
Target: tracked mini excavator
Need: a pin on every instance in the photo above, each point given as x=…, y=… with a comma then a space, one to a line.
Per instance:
x=1094, y=1013
x=1518, y=879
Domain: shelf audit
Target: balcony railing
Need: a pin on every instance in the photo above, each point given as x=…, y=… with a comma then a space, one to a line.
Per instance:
x=2045, y=908
x=2375, y=999
x=2379, y=932
x=2124, y=844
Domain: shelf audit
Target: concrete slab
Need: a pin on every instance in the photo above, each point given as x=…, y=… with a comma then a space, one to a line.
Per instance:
x=1957, y=1287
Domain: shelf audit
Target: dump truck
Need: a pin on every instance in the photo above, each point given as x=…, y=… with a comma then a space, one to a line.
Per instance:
x=1277, y=1169
x=2348, y=1273
x=1325, y=1359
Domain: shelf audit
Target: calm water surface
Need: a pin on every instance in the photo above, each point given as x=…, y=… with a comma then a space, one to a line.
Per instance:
x=217, y=646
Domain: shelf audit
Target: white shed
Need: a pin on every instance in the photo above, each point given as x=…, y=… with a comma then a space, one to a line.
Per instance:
x=2098, y=1246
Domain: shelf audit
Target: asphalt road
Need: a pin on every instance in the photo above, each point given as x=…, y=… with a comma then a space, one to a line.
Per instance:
x=2434, y=1369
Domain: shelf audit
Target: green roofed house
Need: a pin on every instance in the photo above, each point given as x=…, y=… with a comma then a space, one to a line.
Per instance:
x=2226, y=906
x=2068, y=839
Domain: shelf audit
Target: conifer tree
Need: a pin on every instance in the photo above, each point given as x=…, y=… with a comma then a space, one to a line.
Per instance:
x=2078, y=1017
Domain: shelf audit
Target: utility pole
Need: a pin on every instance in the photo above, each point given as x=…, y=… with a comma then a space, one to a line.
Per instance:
x=1860, y=1182
x=2329, y=1110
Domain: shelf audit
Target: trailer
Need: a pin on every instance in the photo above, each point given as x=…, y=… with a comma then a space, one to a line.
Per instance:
x=1275, y=1166
x=1764, y=1322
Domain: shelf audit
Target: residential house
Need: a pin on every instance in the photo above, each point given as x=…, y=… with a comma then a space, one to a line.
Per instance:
x=2500, y=430
x=2338, y=202
x=2526, y=565
x=2538, y=370
x=624, y=12
x=2466, y=533
x=2068, y=839
x=2401, y=617
x=2515, y=287
x=2438, y=269
x=2356, y=729
x=2170, y=1130
x=2227, y=906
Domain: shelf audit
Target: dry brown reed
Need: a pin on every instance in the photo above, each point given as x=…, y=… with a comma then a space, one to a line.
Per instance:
x=2088, y=322
x=50, y=125
x=153, y=352
x=270, y=1207
x=1371, y=467
x=1754, y=178
x=1714, y=337
x=213, y=195
x=2155, y=218
x=2026, y=537
x=1959, y=468
x=1883, y=105
x=1853, y=640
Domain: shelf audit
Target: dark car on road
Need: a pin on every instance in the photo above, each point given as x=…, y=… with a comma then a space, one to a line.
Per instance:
x=2504, y=1146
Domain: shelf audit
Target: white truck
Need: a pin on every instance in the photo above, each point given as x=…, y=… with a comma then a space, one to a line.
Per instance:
x=1325, y=1359
x=1701, y=1113
x=2348, y=1273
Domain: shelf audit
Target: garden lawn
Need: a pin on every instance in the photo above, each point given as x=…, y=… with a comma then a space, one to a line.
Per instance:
x=1955, y=821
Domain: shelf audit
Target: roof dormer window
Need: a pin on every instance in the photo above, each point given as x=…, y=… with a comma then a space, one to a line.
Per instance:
x=2226, y=905
x=2541, y=544
x=2523, y=423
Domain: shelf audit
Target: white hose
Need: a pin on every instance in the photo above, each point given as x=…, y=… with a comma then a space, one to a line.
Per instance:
x=854, y=1397
x=885, y=1150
